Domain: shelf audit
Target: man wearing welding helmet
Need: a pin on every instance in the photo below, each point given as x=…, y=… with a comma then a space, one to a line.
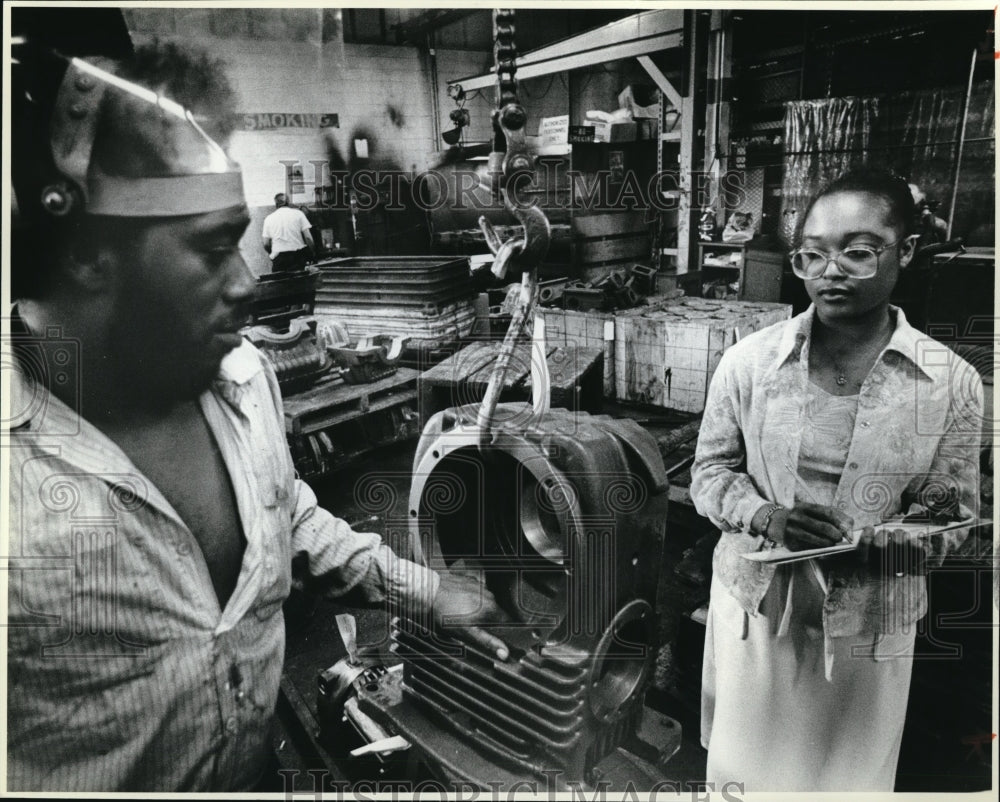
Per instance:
x=155, y=516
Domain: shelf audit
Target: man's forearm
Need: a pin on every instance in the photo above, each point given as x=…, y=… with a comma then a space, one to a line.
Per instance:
x=333, y=559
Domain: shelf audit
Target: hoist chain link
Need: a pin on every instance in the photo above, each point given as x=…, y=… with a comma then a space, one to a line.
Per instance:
x=505, y=56
x=511, y=166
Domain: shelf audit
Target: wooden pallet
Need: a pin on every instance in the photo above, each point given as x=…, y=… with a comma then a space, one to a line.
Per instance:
x=576, y=378
x=332, y=402
x=332, y=424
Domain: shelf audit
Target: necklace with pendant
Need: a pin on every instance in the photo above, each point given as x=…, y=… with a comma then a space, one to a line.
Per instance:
x=841, y=377
x=841, y=373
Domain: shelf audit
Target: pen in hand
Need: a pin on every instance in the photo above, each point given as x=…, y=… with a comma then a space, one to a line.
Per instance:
x=843, y=523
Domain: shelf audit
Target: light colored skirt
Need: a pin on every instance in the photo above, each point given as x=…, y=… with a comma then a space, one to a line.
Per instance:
x=785, y=709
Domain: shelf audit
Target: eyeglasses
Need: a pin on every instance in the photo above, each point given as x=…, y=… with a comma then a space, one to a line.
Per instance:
x=857, y=261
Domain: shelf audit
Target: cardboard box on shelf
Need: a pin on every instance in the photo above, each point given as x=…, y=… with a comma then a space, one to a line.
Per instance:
x=614, y=132
x=627, y=100
x=645, y=129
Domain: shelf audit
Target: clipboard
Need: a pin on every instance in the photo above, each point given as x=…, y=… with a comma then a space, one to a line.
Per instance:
x=783, y=556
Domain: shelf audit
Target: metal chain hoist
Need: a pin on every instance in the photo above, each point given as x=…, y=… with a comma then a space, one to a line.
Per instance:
x=505, y=56
x=512, y=168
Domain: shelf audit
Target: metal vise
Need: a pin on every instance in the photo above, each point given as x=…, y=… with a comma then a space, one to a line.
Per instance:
x=564, y=517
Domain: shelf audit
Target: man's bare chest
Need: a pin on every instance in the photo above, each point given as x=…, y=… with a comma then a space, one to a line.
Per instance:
x=179, y=455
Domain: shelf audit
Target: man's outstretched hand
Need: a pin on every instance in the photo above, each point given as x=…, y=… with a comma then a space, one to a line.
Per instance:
x=462, y=604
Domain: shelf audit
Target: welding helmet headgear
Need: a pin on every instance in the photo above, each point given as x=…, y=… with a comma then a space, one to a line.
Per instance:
x=111, y=147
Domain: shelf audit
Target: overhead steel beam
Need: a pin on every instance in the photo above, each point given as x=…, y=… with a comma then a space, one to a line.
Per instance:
x=415, y=30
x=661, y=81
x=631, y=37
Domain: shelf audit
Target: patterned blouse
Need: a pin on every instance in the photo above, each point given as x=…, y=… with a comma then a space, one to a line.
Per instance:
x=915, y=439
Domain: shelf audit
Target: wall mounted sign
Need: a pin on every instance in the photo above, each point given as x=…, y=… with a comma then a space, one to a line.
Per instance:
x=275, y=120
x=554, y=130
x=295, y=181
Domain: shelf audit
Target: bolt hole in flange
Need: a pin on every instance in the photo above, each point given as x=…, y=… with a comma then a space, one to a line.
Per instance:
x=621, y=661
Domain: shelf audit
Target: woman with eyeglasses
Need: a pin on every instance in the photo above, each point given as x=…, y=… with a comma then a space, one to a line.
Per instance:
x=815, y=431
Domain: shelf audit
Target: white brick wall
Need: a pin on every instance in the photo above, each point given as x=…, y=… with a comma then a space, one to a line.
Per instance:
x=368, y=86
x=361, y=88
x=384, y=90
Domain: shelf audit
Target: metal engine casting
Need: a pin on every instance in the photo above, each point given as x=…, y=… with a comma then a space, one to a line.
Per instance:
x=564, y=518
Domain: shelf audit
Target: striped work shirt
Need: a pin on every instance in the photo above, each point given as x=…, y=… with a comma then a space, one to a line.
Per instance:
x=123, y=672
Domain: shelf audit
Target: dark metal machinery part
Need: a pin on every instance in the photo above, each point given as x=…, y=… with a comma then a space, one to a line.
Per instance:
x=564, y=520
x=574, y=566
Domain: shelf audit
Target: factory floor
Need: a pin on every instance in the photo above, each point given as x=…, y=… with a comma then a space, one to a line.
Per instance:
x=940, y=747
x=372, y=496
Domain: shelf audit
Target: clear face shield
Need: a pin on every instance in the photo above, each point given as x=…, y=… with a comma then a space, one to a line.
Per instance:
x=122, y=150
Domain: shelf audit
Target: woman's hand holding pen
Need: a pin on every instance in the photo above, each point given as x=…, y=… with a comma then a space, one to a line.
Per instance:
x=809, y=526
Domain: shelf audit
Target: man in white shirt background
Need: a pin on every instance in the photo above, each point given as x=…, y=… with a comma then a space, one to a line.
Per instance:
x=286, y=236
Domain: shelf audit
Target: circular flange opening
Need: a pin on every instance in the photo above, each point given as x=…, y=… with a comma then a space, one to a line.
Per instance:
x=621, y=660
x=509, y=517
x=543, y=504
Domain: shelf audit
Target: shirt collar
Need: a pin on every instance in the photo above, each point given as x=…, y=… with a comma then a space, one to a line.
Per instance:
x=795, y=335
x=28, y=397
x=905, y=340
x=238, y=367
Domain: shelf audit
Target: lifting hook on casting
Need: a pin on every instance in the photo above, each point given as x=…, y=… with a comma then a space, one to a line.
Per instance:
x=512, y=167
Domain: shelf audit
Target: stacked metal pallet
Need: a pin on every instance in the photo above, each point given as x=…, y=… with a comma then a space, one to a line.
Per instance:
x=429, y=299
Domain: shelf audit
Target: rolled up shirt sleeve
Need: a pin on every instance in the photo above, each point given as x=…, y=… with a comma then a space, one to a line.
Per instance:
x=721, y=488
x=329, y=557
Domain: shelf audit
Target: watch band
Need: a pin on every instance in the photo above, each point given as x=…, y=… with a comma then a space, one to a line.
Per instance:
x=771, y=510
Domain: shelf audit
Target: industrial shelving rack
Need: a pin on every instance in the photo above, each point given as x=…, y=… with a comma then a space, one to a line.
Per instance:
x=699, y=38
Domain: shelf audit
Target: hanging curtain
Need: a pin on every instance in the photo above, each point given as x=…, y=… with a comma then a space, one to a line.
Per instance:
x=920, y=132
x=913, y=134
x=823, y=138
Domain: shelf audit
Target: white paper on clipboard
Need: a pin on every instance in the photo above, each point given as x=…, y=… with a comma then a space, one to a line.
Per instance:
x=781, y=555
